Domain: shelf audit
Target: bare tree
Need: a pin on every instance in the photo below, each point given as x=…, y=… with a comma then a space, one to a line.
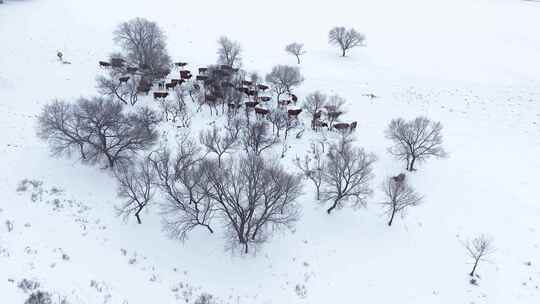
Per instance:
x=314, y=104
x=182, y=180
x=229, y=52
x=313, y=167
x=112, y=86
x=347, y=175
x=345, y=39
x=283, y=78
x=279, y=119
x=479, y=249
x=399, y=196
x=256, y=138
x=255, y=197
x=97, y=129
x=334, y=108
x=219, y=143
x=144, y=45
x=415, y=140
x=296, y=49
x=135, y=186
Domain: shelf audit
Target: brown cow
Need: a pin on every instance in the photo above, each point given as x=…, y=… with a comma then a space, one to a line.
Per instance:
x=265, y=98
x=247, y=83
x=203, y=70
x=123, y=79
x=294, y=98
x=294, y=113
x=261, y=111
x=117, y=62
x=201, y=77
x=226, y=67
x=262, y=87
x=160, y=95
x=170, y=85
x=284, y=103
x=251, y=104
x=399, y=178
x=353, y=125
x=131, y=70
x=340, y=126
x=180, y=64
x=104, y=64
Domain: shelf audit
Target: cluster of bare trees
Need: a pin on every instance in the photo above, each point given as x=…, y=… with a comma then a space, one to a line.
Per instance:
x=284, y=79
x=229, y=52
x=97, y=130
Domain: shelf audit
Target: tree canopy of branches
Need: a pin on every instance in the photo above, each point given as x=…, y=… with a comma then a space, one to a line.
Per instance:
x=345, y=39
x=255, y=138
x=415, y=140
x=255, y=196
x=97, y=129
x=313, y=167
x=229, y=52
x=334, y=108
x=313, y=104
x=135, y=186
x=183, y=181
x=399, y=196
x=479, y=249
x=143, y=43
x=296, y=49
x=283, y=79
x=347, y=174
x=218, y=142
x=111, y=86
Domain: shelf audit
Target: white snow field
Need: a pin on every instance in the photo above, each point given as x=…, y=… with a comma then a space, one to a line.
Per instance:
x=474, y=65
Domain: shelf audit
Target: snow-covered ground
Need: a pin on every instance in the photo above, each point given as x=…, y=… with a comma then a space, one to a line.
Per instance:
x=474, y=65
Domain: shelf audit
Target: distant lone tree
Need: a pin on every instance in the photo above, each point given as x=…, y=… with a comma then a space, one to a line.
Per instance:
x=229, y=52
x=415, y=140
x=143, y=43
x=97, y=130
x=399, y=196
x=296, y=49
x=283, y=79
x=345, y=39
x=478, y=249
x=347, y=174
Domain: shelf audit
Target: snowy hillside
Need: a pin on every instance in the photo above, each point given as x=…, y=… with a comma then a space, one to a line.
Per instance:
x=473, y=65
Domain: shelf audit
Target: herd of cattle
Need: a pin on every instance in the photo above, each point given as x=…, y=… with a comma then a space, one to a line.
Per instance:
x=253, y=91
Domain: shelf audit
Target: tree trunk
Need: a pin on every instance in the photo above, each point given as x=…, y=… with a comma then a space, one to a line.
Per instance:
x=334, y=205
x=392, y=217
x=209, y=229
x=474, y=268
x=137, y=215
x=343, y=52
x=318, y=193
x=298, y=59
x=411, y=167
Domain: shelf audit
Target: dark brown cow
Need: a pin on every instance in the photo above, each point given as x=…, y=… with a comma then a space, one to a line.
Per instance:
x=265, y=98
x=123, y=79
x=201, y=77
x=104, y=64
x=234, y=106
x=262, y=87
x=317, y=123
x=131, y=70
x=353, y=125
x=170, y=85
x=294, y=112
x=247, y=83
x=117, y=62
x=340, y=126
x=235, y=70
x=225, y=67
x=399, y=178
x=143, y=88
x=252, y=92
x=261, y=111
x=294, y=98
x=203, y=70
x=251, y=104
x=284, y=103
x=180, y=64
x=160, y=95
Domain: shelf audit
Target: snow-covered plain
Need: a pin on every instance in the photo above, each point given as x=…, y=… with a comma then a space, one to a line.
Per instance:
x=474, y=65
